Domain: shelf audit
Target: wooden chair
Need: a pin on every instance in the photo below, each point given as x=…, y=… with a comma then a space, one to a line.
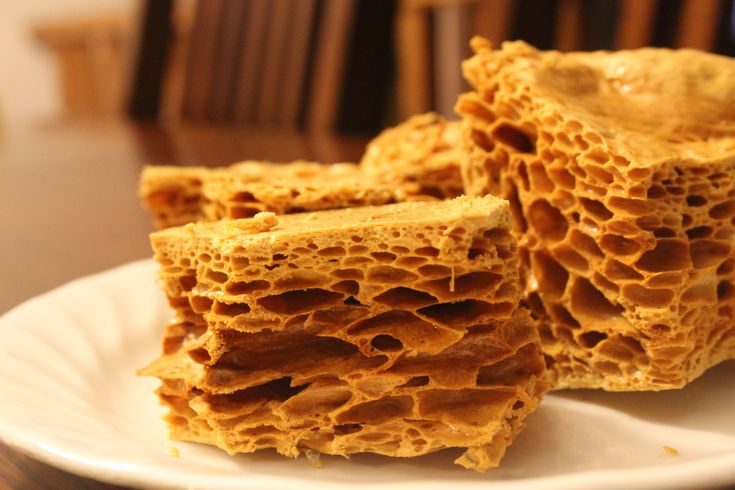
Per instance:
x=265, y=63
x=238, y=70
x=246, y=62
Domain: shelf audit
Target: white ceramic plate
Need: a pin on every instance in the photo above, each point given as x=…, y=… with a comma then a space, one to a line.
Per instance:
x=70, y=397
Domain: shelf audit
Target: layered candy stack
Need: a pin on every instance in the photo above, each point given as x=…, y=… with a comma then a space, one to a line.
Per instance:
x=390, y=329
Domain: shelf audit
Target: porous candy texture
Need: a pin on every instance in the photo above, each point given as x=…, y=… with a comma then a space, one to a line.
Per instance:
x=391, y=329
x=420, y=158
x=179, y=195
x=620, y=171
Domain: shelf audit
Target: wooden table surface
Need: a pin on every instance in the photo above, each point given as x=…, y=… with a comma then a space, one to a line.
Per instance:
x=68, y=208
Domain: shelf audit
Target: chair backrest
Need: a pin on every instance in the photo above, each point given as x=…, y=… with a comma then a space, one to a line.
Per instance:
x=266, y=63
x=431, y=35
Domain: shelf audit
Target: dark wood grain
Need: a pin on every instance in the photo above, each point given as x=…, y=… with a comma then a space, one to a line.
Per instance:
x=68, y=208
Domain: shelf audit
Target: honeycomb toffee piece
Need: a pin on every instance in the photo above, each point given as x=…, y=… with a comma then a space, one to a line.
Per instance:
x=391, y=329
x=620, y=170
x=419, y=157
x=180, y=195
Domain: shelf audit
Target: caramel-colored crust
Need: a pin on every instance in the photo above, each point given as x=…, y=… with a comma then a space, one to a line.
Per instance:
x=620, y=169
x=180, y=195
x=391, y=329
x=420, y=158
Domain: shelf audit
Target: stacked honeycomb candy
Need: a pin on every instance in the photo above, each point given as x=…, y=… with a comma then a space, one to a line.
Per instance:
x=180, y=195
x=620, y=169
x=417, y=160
x=420, y=158
x=173, y=195
x=391, y=329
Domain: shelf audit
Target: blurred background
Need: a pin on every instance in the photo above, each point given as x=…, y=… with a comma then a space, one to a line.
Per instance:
x=344, y=66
